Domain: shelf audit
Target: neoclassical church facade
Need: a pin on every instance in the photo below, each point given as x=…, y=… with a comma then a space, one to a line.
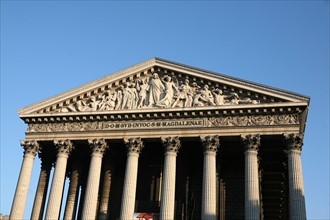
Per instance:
x=162, y=140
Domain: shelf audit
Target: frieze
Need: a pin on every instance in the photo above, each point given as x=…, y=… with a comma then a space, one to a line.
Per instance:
x=258, y=120
x=224, y=121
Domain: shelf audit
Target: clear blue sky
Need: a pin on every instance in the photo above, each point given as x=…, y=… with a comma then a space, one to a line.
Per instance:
x=52, y=46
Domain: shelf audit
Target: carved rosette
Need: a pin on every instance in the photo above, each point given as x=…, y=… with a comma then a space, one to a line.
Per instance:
x=98, y=146
x=210, y=143
x=293, y=142
x=171, y=144
x=63, y=146
x=134, y=145
x=251, y=142
x=30, y=147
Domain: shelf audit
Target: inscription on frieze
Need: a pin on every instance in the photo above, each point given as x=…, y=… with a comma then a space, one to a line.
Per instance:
x=224, y=121
x=154, y=124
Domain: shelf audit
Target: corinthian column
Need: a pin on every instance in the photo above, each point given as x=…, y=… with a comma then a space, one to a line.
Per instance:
x=98, y=147
x=171, y=145
x=30, y=150
x=252, y=194
x=134, y=147
x=104, y=203
x=209, y=200
x=297, y=208
x=72, y=197
x=64, y=148
x=41, y=193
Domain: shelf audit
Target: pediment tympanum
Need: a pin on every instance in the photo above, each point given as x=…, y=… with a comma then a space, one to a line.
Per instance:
x=160, y=84
x=158, y=90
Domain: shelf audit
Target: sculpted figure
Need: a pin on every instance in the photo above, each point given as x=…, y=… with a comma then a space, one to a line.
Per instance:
x=219, y=98
x=234, y=98
x=155, y=89
x=207, y=96
x=142, y=86
x=119, y=97
x=91, y=104
x=197, y=98
x=134, y=97
x=170, y=87
x=103, y=104
x=184, y=94
x=248, y=100
x=108, y=102
x=127, y=95
x=80, y=105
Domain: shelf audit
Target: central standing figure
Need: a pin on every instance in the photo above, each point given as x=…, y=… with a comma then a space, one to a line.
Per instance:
x=155, y=88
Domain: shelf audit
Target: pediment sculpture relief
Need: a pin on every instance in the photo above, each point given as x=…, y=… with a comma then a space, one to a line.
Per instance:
x=155, y=91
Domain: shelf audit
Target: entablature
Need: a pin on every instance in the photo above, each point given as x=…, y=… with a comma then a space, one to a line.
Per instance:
x=242, y=110
x=267, y=119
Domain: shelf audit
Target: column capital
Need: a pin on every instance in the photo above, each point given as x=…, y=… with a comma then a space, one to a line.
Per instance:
x=251, y=142
x=63, y=146
x=210, y=143
x=98, y=146
x=30, y=147
x=293, y=141
x=134, y=145
x=171, y=144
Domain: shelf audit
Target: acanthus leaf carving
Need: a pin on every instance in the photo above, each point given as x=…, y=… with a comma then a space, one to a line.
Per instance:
x=134, y=145
x=171, y=144
x=294, y=142
x=30, y=147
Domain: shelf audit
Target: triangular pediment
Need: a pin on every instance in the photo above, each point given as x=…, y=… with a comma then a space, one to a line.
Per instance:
x=160, y=84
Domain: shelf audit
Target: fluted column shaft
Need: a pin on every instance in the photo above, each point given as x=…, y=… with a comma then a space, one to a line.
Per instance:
x=134, y=146
x=41, y=193
x=64, y=148
x=104, y=203
x=19, y=202
x=211, y=145
x=297, y=209
x=92, y=188
x=252, y=193
x=171, y=145
x=72, y=197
